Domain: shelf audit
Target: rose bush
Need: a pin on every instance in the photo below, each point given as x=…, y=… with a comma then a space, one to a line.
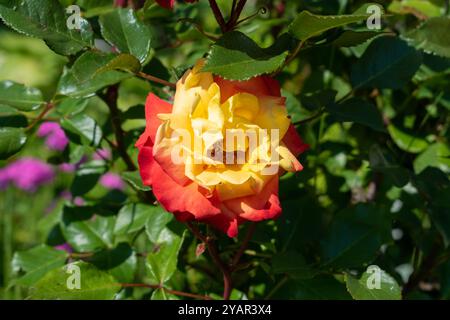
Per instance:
x=212, y=191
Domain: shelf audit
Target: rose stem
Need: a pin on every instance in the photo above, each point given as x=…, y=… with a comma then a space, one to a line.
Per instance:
x=218, y=14
x=227, y=284
x=236, y=14
x=155, y=79
x=41, y=116
x=110, y=99
x=174, y=292
x=244, y=245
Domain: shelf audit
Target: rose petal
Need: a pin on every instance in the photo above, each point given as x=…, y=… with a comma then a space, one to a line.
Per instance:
x=262, y=206
x=293, y=141
x=176, y=198
x=153, y=106
x=258, y=86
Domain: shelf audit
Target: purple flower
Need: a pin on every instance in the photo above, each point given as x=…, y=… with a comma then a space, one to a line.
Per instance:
x=56, y=139
x=64, y=247
x=78, y=201
x=112, y=181
x=102, y=154
x=27, y=174
x=67, y=167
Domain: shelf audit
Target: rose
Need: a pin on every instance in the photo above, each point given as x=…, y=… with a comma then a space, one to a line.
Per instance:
x=168, y=4
x=200, y=187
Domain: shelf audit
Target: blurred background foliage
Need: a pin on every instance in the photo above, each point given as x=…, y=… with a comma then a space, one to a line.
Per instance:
x=374, y=190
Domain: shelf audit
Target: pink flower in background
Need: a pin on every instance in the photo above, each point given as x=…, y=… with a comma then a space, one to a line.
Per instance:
x=67, y=167
x=64, y=247
x=78, y=201
x=56, y=139
x=112, y=181
x=102, y=154
x=27, y=174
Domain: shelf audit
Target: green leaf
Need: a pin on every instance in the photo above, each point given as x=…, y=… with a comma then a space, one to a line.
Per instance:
x=124, y=62
x=94, y=284
x=292, y=264
x=91, y=72
x=388, y=62
x=87, y=177
x=135, y=180
x=379, y=162
x=46, y=19
x=407, y=141
x=84, y=231
x=122, y=29
x=162, y=263
x=350, y=38
x=432, y=36
x=374, y=284
x=237, y=57
x=12, y=141
x=307, y=25
x=10, y=117
x=319, y=288
x=20, y=97
x=435, y=185
x=36, y=262
x=71, y=106
x=156, y=223
x=161, y=294
x=354, y=237
x=426, y=8
x=121, y=262
x=133, y=217
x=436, y=155
x=359, y=111
x=83, y=129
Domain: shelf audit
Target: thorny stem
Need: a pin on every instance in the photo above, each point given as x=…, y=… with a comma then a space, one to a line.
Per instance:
x=41, y=116
x=111, y=100
x=209, y=242
x=218, y=15
x=243, y=247
x=174, y=292
x=155, y=79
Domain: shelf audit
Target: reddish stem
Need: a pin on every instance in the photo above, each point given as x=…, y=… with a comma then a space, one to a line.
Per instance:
x=157, y=80
x=174, y=292
x=218, y=14
x=41, y=116
x=244, y=245
x=236, y=14
x=227, y=283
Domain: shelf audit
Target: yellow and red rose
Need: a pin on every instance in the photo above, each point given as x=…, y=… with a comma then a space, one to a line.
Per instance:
x=200, y=187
